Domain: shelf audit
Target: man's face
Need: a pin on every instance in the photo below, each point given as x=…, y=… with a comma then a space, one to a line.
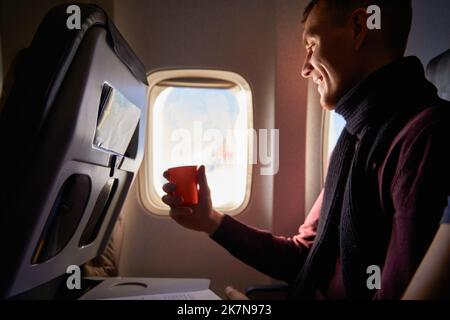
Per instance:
x=331, y=59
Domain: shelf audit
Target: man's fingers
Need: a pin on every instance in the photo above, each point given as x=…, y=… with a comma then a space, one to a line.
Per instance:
x=201, y=176
x=166, y=175
x=169, y=187
x=233, y=294
x=172, y=201
x=202, y=182
x=180, y=213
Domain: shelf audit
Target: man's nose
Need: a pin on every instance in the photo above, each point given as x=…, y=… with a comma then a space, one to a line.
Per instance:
x=307, y=68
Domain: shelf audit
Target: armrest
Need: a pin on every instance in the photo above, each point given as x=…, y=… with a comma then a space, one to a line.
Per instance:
x=268, y=292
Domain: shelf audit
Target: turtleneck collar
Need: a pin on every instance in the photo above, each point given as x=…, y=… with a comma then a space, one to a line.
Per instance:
x=388, y=90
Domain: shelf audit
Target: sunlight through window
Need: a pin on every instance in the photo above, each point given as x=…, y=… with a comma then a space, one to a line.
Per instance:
x=334, y=124
x=209, y=125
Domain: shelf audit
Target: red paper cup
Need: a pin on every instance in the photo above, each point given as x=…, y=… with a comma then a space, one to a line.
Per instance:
x=185, y=179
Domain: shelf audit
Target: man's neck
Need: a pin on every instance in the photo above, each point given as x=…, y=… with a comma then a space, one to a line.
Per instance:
x=374, y=63
x=370, y=66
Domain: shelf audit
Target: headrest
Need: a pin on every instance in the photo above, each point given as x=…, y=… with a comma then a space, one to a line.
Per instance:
x=438, y=72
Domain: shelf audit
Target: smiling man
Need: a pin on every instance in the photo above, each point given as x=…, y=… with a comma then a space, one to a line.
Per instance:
x=388, y=179
x=342, y=51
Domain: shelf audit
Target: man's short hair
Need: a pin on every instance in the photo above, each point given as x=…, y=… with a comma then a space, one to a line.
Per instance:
x=396, y=16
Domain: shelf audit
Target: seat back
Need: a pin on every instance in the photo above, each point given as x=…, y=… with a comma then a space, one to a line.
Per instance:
x=438, y=72
x=431, y=280
x=71, y=135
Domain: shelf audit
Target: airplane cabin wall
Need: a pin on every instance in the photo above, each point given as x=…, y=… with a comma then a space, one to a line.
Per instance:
x=291, y=110
x=260, y=40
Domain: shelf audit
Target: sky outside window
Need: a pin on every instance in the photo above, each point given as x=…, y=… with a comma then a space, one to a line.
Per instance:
x=336, y=125
x=194, y=126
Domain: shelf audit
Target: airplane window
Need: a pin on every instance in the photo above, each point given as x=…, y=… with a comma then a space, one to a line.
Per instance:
x=334, y=124
x=202, y=124
x=337, y=124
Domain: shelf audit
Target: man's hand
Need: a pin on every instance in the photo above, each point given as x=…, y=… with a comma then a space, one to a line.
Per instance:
x=233, y=294
x=199, y=217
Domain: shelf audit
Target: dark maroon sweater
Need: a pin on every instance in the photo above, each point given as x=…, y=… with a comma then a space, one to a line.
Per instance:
x=413, y=181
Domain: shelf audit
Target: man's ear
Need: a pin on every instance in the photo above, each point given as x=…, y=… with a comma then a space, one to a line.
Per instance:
x=359, y=27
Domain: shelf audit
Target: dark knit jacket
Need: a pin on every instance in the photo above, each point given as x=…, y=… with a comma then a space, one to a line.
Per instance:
x=375, y=111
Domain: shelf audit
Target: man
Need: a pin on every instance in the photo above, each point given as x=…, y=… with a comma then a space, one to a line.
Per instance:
x=388, y=178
